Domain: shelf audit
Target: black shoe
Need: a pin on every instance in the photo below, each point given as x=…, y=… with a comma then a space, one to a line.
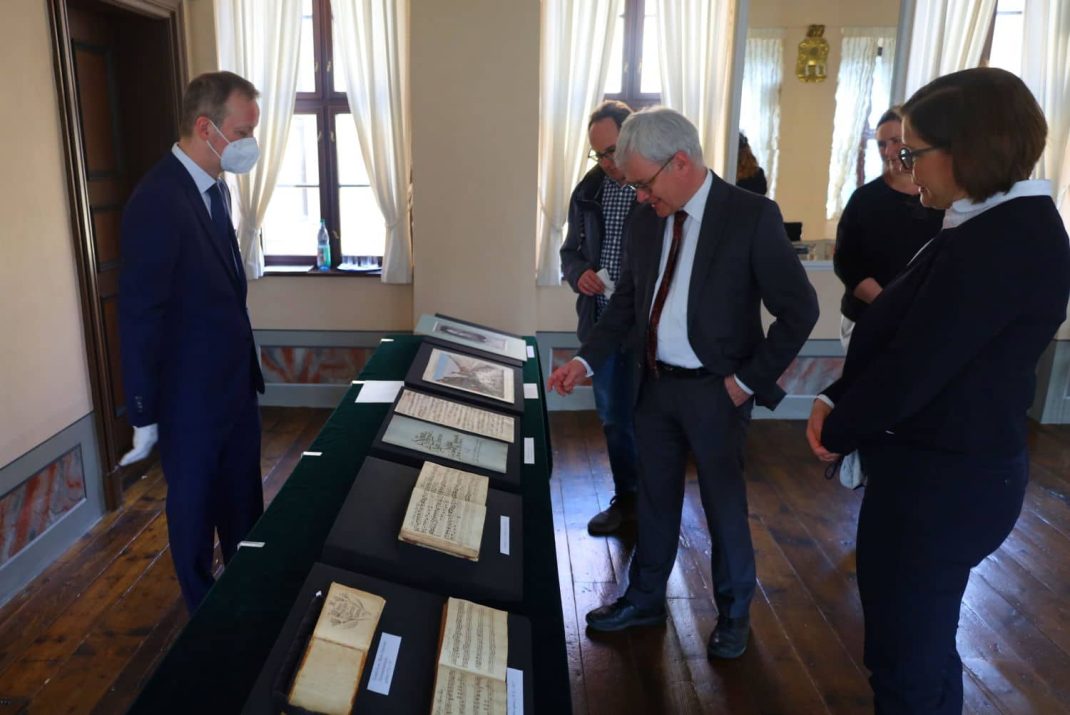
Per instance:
x=621, y=508
x=621, y=614
x=729, y=638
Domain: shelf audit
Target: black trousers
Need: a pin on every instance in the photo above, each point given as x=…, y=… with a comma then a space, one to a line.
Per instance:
x=213, y=485
x=674, y=416
x=927, y=518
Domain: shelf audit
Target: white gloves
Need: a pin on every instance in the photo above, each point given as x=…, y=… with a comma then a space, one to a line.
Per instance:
x=144, y=438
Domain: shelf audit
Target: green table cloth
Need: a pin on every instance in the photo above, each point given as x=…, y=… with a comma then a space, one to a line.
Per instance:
x=217, y=657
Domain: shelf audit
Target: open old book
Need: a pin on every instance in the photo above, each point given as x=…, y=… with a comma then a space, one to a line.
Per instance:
x=447, y=511
x=471, y=677
x=329, y=674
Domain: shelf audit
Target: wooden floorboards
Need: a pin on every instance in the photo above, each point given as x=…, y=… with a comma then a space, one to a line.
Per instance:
x=84, y=636
x=805, y=654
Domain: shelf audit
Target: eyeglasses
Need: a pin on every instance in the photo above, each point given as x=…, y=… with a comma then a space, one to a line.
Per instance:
x=907, y=156
x=600, y=155
x=645, y=185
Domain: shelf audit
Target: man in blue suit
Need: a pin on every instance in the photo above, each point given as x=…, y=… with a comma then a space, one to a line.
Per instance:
x=189, y=361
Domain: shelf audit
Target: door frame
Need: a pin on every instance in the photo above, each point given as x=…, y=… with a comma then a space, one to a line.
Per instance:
x=80, y=217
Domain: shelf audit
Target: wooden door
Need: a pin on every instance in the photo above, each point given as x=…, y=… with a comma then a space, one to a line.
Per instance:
x=122, y=92
x=93, y=49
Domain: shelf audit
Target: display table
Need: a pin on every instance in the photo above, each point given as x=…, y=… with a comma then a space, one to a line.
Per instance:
x=216, y=659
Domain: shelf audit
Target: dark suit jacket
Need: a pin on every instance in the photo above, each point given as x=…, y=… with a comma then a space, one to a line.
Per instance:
x=743, y=259
x=187, y=345
x=947, y=354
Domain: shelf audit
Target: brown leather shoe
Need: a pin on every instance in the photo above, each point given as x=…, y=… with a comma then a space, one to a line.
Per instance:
x=621, y=509
x=729, y=638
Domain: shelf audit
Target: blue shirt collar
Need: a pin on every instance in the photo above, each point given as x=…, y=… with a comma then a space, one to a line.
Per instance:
x=201, y=178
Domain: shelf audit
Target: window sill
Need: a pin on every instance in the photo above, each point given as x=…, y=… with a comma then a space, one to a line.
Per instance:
x=310, y=271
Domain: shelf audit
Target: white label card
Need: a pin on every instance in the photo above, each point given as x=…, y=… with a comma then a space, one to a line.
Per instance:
x=379, y=391
x=531, y=351
x=531, y=391
x=504, y=538
x=386, y=657
x=514, y=683
x=529, y=450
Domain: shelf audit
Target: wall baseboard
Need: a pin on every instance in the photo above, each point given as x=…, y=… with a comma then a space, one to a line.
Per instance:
x=819, y=363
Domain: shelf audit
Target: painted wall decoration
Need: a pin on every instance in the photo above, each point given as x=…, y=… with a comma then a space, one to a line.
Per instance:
x=810, y=375
x=313, y=365
x=31, y=508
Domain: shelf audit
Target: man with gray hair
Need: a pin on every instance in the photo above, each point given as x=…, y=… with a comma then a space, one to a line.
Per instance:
x=702, y=258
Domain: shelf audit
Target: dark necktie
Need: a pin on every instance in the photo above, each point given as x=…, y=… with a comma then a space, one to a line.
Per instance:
x=221, y=224
x=663, y=291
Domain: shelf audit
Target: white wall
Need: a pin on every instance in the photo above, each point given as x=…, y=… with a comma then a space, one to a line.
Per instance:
x=42, y=354
x=807, y=109
x=475, y=103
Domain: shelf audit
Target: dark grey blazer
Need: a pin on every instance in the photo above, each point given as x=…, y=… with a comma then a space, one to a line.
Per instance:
x=743, y=258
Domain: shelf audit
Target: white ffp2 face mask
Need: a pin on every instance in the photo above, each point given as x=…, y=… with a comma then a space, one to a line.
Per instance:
x=238, y=157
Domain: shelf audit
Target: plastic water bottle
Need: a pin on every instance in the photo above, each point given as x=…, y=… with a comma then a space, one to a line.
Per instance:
x=323, y=248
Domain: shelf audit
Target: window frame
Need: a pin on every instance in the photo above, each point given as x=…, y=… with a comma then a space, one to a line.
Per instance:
x=869, y=133
x=990, y=37
x=324, y=103
x=631, y=72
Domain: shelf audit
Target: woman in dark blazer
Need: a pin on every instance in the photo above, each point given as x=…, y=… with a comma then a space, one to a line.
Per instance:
x=939, y=376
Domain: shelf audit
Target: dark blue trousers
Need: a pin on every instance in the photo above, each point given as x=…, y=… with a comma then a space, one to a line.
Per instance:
x=213, y=485
x=927, y=518
x=676, y=416
x=614, y=397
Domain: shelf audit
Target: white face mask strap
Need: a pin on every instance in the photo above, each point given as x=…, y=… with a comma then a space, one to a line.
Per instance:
x=220, y=132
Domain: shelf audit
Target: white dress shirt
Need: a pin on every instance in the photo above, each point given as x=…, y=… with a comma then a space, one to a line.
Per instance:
x=674, y=346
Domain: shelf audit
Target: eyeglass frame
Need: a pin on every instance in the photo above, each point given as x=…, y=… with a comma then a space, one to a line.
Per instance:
x=907, y=155
x=600, y=155
x=645, y=185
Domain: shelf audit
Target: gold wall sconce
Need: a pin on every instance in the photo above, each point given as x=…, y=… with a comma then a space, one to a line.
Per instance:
x=813, y=55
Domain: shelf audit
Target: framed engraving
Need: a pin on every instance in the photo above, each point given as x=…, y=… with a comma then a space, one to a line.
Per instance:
x=462, y=376
x=485, y=341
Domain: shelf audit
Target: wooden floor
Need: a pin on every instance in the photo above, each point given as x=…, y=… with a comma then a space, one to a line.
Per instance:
x=806, y=620
x=83, y=636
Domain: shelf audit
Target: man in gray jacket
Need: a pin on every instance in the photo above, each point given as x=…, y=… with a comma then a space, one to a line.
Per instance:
x=594, y=246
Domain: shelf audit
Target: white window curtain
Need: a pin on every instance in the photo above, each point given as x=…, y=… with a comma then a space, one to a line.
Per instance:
x=946, y=36
x=259, y=40
x=854, y=89
x=882, y=76
x=1046, y=69
x=697, y=59
x=577, y=36
x=759, y=115
x=371, y=49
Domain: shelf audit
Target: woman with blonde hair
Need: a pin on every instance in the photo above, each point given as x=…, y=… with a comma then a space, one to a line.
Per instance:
x=882, y=227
